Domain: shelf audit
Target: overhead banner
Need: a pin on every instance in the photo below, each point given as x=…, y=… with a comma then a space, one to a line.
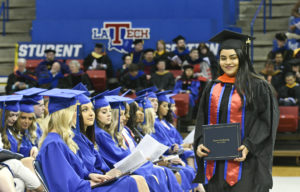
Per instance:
x=31, y=50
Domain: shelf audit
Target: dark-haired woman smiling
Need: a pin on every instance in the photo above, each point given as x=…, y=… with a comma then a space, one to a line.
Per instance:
x=239, y=95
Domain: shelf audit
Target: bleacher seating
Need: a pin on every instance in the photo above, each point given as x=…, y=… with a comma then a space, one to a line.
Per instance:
x=288, y=121
x=182, y=104
x=32, y=64
x=98, y=78
x=176, y=73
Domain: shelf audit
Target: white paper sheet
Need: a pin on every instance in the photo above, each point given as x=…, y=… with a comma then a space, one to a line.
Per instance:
x=190, y=137
x=131, y=162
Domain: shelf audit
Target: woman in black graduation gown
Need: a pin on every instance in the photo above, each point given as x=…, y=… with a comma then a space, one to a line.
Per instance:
x=239, y=95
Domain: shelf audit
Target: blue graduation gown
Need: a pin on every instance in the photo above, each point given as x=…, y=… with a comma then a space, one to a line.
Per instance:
x=39, y=132
x=63, y=169
x=94, y=163
x=161, y=136
x=112, y=154
x=173, y=185
x=193, y=88
x=25, y=147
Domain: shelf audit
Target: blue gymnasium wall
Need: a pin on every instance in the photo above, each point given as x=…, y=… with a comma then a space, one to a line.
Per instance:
x=71, y=21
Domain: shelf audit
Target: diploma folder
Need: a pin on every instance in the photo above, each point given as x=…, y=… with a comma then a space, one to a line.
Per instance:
x=223, y=141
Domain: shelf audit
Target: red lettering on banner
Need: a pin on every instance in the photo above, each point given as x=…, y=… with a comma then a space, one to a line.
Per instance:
x=117, y=27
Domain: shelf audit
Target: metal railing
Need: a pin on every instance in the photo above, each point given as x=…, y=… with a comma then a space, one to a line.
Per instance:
x=4, y=12
x=262, y=3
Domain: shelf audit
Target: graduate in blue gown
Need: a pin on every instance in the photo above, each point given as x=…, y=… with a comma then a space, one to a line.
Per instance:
x=39, y=109
x=87, y=152
x=113, y=149
x=9, y=114
x=62, y=168
x=160, y=135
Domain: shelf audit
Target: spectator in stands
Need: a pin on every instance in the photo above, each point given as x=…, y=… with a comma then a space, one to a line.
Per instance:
x=50, y=79
x=137, y=53
x=162, y=78
x=162, y=54
x=208, y=56
x=181, y=52
x=280, y=45
x=280, y=63
x=99, y=60
x=201, y=67
x=76, y=76
x=20, y=79
x=127, y=61
x=148, y=63
x=289, y=94
x=46, y=64
x=274, y=77
x=135, y=79
x=295, y=65
x=187, y=83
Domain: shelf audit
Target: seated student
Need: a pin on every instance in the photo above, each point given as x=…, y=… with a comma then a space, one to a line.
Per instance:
x=14, y=125
x=50, y=79
x=135, y=79
x=76, y=76
x=275, y=77
x=22, y=175
x=108, y=127
x=188, y=84
x=289, y=94
x=91, y=158
x=162, y=78
x=148, y=62
x=203, y=69
x=153, y=126
x=46, y=65
x=20, y=79
x=162, y=54
x=39, y=109
x=24, y=135
x=64, y=171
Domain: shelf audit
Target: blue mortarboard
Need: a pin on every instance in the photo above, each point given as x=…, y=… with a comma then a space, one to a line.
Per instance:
x=117, y=102
x=33, y=93
x=83, y=99
x=143, y=102
x=26, y=105
x=170, y=97
x=82, y=87
x=126, y=92
x=147, y=90
x=115, y=91
x=162, y=96
x=100, y=101
x=10, y=103
x=61, y=98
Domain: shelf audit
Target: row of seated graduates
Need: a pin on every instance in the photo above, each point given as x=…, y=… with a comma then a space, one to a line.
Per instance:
x=47, y=75
x=59, y=174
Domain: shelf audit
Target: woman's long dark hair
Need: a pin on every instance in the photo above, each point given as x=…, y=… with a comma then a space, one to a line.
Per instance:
x=169, y=117
x=131, y=123
x=244, y=78
x=90, y=130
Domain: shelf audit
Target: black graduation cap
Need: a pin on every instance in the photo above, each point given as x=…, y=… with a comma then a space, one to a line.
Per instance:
x=280, y=36
x=99, y=45
x=136, y=41
x=149, y=50
x=231, y=40
x=50, y=50
x=179, y=37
